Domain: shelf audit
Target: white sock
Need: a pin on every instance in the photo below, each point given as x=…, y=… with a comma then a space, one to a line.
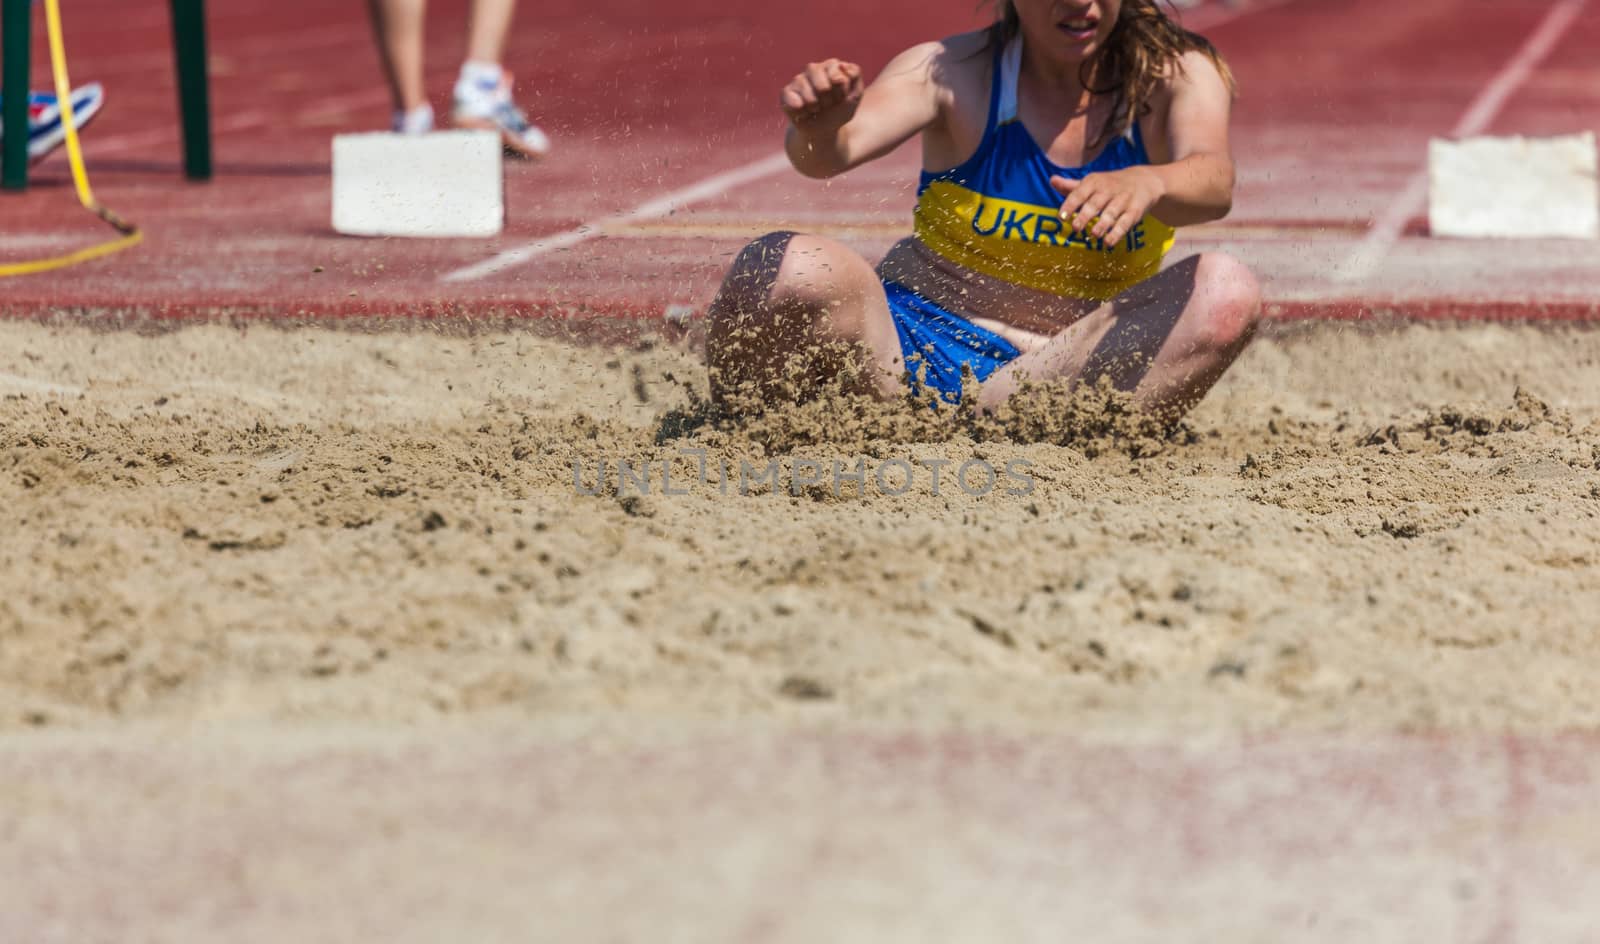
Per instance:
x=418, y=120
x=480, y=76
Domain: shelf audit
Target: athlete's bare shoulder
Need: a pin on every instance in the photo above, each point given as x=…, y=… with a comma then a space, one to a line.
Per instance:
x=964, y=46
x=1190, y=77
x=954, y=70
x=1192, y=69
x=947, y=63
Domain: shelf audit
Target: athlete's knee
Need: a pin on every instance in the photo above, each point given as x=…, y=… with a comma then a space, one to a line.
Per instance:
x=787, y=288
x=765, y=253
x=753, y=275
x=818, y=275
x=784, y=272
x=1232, y=298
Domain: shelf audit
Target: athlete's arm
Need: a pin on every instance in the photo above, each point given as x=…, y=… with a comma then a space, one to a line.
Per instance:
x=837, y=122
x=1198, y=184
x=1195, y=186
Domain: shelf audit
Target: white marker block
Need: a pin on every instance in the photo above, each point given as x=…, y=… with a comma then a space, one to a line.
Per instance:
x=450, y=183
x=1514, y=187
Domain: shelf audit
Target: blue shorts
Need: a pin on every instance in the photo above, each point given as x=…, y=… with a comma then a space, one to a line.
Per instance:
x=941, y=342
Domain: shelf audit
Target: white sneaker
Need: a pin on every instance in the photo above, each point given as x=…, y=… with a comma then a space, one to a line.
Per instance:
x=418, y=120
x=489, y=107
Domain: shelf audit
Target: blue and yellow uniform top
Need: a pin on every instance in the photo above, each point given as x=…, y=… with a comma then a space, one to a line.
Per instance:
x=997, y=213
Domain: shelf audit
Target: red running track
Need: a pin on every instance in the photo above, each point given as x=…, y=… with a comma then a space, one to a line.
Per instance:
x=644, y=100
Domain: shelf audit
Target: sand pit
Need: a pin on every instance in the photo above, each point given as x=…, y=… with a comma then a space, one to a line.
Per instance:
x=311, y=613
x=1391, y=529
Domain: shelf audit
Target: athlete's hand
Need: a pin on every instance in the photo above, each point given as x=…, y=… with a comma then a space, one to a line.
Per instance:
x=1119, y=198
x=830, y=88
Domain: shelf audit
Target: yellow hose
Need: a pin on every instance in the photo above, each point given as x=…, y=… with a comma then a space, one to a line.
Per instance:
x=131, y=236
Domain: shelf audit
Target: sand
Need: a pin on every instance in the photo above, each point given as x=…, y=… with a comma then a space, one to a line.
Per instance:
x=311, y=634
x=1379, y=529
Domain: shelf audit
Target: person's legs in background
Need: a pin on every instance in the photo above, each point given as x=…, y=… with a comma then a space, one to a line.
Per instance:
x=482, y=97
x=482, y=94
x=486, y=34
x=398, y=26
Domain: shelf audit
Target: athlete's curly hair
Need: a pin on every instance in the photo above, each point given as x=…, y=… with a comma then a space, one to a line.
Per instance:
x=1143, y=45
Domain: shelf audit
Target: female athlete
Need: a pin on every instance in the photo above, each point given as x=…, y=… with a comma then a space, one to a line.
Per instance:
x=1060, y=149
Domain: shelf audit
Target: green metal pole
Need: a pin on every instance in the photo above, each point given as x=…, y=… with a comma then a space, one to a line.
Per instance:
x=17, y=28
x=194, y=105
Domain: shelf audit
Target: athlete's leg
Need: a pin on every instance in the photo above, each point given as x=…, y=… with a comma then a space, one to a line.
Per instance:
x=482, y=97
x=790, y=295
x=486, y=36
x=1167, y=340
x=398, y=25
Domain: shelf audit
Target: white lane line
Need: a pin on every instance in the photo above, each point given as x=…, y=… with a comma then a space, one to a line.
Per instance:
x=1478, y=116
x=326, y=108
x=13, y=383
x=99, y=147
x=719, y=184
x=335, y=106
x=713, y=186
